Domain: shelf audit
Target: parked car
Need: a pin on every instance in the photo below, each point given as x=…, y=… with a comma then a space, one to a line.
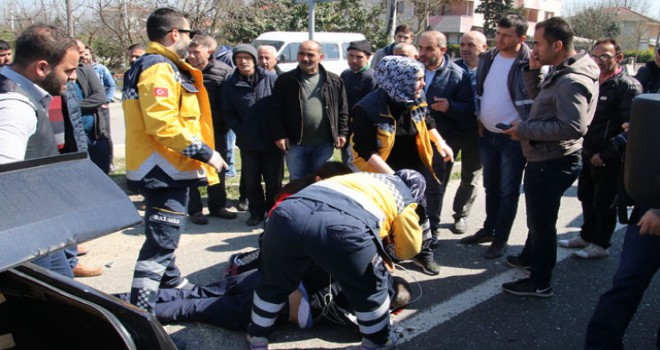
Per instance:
x=287, y=43
x=50, y=203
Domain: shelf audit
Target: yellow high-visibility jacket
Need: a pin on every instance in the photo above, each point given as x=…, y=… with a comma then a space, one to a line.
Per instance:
x=168, y=118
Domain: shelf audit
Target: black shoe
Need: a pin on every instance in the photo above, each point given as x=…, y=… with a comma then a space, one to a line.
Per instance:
x=514, y=261
x=243, y=204
x=428, y=265
x=435, y=232
x=460, y=226
x=526, y=287
x=482, y=236
x=198, y=218
x=223, y=213
x=254, y=221
x=179, y=343
x=496, y=249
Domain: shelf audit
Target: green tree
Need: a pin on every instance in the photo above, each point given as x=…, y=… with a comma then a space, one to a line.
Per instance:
x=594, y=24
x=246, y=23
x=493, y=10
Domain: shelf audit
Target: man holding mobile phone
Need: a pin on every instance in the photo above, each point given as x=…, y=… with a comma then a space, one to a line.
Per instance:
x=502, y=100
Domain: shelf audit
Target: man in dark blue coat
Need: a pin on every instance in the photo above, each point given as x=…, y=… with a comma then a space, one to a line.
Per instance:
x=244, y=107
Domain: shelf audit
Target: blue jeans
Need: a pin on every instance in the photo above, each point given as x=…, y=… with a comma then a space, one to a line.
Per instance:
x=230, y=159
x=56, y=262
x=305, y=160
x=503, y=163
x=545, y=184
x=639, y=263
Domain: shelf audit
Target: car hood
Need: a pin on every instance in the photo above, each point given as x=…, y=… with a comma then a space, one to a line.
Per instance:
x=54, y=202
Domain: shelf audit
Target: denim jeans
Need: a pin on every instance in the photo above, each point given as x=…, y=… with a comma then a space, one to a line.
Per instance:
x=230, y=159
x=545, y=184
x=638, y=264
x=305, y=160
x=503, y=163
x=56, y=262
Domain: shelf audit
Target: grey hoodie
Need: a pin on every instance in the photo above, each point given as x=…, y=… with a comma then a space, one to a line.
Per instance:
x=562, y=110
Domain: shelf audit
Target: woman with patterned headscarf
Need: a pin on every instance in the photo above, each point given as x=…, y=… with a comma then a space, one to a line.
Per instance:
x=391, y=132
x=390, y=128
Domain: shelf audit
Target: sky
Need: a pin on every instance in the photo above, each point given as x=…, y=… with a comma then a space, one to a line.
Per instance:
x=653, y=11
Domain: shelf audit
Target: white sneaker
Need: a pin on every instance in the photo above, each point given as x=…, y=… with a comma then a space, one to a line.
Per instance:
x=592, y=251
x=575, y=242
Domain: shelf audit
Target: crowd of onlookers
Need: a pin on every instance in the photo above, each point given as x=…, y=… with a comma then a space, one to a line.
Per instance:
x=539, y=117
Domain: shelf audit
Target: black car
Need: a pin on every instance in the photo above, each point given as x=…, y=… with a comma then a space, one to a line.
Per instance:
x=48, y=204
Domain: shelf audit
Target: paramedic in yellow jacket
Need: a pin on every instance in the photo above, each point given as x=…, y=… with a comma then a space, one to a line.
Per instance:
x=348, y=225
x=391, y=131
x=169, y=148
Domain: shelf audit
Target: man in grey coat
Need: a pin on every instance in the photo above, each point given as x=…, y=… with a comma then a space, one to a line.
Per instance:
x=551, y=140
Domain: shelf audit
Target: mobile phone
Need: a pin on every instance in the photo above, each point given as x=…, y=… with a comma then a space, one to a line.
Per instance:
x=503, y=126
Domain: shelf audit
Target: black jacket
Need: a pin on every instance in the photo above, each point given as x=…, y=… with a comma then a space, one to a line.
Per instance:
x=614, y=102
x=215, y=74
x=649, y=77
x=245, y=109
x=93, y=98
x=286, y=121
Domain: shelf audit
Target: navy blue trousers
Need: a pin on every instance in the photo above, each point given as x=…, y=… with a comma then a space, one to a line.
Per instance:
x=639, y=263
x=302, y=231
x=164, y=220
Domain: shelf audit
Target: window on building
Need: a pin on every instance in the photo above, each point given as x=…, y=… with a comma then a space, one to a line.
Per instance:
x=401, y=7
x=445, y=10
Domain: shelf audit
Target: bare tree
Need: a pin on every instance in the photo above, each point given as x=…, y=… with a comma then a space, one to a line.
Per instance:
x=641, y=6
x=593, y=23
x=423, y=11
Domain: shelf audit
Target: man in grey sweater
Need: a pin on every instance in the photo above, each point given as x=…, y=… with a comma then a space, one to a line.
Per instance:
x=551, y=140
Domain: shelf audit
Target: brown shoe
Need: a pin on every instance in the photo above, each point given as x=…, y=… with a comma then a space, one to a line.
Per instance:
x=82, y=250
x=86, y=271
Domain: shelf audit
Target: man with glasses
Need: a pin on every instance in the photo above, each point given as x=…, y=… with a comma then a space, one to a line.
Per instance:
x=169, y=143
x=602, y=152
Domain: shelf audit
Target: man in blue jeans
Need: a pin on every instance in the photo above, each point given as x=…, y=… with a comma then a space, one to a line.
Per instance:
x=551, y=139
x=310, y=112
x=502, y=98
x=639, y=263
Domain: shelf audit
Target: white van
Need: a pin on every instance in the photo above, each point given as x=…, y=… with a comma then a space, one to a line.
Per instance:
x=287, y=43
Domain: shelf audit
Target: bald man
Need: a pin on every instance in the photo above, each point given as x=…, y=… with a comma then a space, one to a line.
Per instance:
x=310, y=112
x=451, y=102
x=406, y=50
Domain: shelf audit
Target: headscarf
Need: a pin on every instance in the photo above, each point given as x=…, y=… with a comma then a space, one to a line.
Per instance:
x=397, y=76
x=415, y=182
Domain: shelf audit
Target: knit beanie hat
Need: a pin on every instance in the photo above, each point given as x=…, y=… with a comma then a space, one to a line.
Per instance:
x=247, y=48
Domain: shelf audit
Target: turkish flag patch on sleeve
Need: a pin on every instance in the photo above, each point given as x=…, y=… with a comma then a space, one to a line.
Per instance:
x=161, y=92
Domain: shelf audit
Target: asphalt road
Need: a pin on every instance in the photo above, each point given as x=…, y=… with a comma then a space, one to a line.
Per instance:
x=462, y=308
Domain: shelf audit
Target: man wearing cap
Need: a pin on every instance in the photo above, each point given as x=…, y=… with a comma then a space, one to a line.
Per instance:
x=245, y=108
x=309, y=112
x=358, y=80
x=215, y=73
x=348, y=225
